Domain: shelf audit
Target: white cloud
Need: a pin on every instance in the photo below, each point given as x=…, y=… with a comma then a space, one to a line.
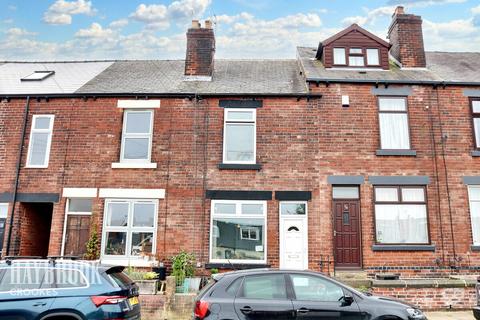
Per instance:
x=424, y=3
x=61, y=11
x=14, y=32
x=118, y=24
x=12, y=7
x=371, y=16
x=476, y=10
x=159, y=16
x=94, y=31
x=460, y=35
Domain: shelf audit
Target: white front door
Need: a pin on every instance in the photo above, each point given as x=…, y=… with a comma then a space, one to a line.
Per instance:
x=293, y=236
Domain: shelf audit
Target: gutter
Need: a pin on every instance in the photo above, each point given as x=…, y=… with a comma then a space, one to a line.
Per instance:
x=388, y=82
x=17, y=174
x=146, y=95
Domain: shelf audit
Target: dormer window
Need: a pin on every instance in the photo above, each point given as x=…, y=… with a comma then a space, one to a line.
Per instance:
x=355, y=57
x=354, y=47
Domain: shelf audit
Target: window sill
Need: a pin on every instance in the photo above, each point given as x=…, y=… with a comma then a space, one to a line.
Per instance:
x=126, y=262
x=474, y=247
x=238, y=166
x=122, y=165
x=384, y=152
x=236, y=266
x=475, y=153
x=412, y=247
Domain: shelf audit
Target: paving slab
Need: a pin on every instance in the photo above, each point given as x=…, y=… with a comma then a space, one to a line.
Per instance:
x=450, y=315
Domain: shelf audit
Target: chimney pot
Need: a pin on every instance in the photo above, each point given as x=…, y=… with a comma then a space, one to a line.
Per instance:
x=208, y=24
x=195, y=24
x=399, y=10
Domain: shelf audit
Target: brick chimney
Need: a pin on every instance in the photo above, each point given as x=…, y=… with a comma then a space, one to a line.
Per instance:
x=406, y=38
x=200, y=51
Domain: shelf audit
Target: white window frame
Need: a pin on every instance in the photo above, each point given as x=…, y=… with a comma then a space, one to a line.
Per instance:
x=126, y=135
x=344, y=56
x=406, y=113
x=4, y=204
x=477, y=232
x=69, y=213
x=249, y=230
x=49, y=140
x=226, y=121
x=129, y=229
x=238, y=214
x=367, y=56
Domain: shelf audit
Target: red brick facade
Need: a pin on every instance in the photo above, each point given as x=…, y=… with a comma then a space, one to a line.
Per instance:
x=299, y=144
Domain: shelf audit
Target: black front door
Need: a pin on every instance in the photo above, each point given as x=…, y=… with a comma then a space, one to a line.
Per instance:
x=264, y=297
x=317, y=298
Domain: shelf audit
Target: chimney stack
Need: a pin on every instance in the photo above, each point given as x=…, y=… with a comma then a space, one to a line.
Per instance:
x=406, y=38
x=200, y=51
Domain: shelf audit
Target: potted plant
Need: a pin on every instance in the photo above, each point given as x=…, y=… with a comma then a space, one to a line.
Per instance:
x=183, y=269
x=146, y=281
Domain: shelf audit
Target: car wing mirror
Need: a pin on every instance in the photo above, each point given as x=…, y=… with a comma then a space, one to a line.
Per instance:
x=347, y=300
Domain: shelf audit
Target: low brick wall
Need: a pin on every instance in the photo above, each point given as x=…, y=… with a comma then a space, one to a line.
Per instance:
x=431, y=298
x=152, y=306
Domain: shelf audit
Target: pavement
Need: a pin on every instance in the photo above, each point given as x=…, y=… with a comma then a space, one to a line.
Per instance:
x=447, y=315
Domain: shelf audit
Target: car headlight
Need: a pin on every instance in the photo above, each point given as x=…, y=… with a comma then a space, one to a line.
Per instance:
x=415, y=313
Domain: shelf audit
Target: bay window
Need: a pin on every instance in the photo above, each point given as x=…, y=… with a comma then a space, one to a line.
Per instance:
x=129, y=228
x=237, y=231
x=137, y=136
x=474, y=199
x=239, y=138
x=393, y=118
x=401, y=215
x=40, y=141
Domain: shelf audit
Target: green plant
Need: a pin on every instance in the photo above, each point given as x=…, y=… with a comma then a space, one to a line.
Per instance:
x=183, y=266
x=92, y=245
x=214, y=271
x=363, y=289
x=150, y=275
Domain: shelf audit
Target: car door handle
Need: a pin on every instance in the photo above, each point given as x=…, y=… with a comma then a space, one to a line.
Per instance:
x=39, y=304
x=246, y=310
x=302, y=310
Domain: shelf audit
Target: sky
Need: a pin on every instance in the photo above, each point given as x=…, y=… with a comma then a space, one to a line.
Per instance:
x=244, y=29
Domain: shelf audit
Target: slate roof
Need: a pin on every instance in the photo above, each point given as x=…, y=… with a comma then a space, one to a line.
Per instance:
x=441, y=66
x=229, y=77
x=68, y=77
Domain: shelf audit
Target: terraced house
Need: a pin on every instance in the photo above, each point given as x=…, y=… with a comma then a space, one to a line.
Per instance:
x=358, y=154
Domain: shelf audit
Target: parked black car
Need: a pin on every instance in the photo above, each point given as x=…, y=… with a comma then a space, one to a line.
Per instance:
x=57, y=289
x=279, y=294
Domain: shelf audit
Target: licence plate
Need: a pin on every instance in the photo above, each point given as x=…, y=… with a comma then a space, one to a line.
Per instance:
x=133, y=301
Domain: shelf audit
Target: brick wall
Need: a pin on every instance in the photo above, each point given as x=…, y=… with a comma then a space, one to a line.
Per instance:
x=429, y=299
x=299, y=143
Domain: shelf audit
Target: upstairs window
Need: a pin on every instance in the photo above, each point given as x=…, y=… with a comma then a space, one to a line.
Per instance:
x=474, y=199
x=239, y=136
x=40, y=141
x=137, y=136
x=393, y=118
x=355, y=57
x=339, y=56
x=373, y=57
x=475, y=105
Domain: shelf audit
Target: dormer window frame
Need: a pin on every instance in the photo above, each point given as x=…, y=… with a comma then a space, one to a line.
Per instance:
x=363, y=54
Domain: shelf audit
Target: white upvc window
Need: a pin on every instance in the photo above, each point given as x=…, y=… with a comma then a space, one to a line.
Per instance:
x=238, y=231
x=339, y=56
x=239, y=136
x=129, y=229
x=40, y=141
x=373, y=57
x=3, y=222
x=474, y=199
x=393, y=118
x=137, y=136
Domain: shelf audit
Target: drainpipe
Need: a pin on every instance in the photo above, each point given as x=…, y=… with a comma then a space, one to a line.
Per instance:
x=17, y=174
